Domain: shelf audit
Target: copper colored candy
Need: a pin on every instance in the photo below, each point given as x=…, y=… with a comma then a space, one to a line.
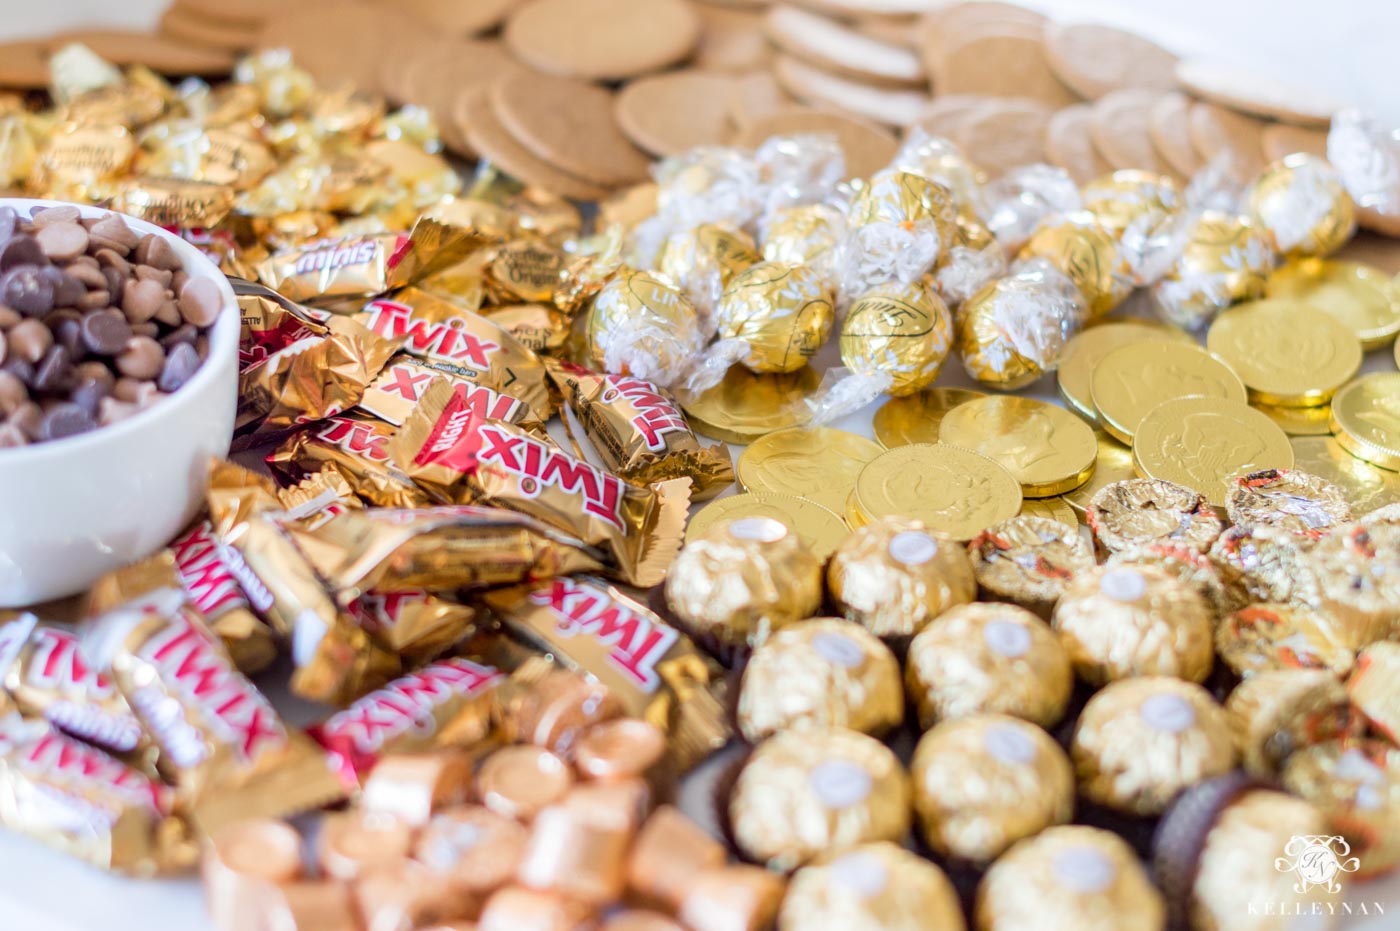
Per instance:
x=1221, y=584
x=1288, y=499
x=576, y=852
x=412, y=786
x=1029, y=561
x=874, y=887
x=1276, y=712
x=555, y=709
x=1374, y=688
x=988, y=658
x=1144, y=510
x=669, y=851
x=473, y=848
x=623, y=803
x=316, y=905
x=1262, y=637
x=732, y=898
x=619, y=749
x=353, y=843
x=1271, y=562
x=639, y=920
x=1356, y=784
x=519, y=782
x=406, y=894
x=240, y=860
x=894, y=576
x=514, y=908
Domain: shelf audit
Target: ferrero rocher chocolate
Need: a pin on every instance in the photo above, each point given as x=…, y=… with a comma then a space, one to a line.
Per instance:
x=1134, y=621
x=1356, y=785
x=802, y=235
x=703, y=260
x=741, y=580
x=783, y=313
x=1012, y=331
x=1220, y=584
x=1225, y=259
x=1374, y=688
x=894, y=576
x=1085, y=251
x=1141, y=740
x=1029, y=561
x=812, y=792
x=897, y=332
x=641, y=325
x=822, y=673
x=983, y=782
x=1262, y=637
x=988, y=658
x=1069, y=878
x=1279, y=711
x=873, y=887
x=1302, y=206
x=1288, y=499
x=1270, y=561
x=1353, y=575
x=1136, y=511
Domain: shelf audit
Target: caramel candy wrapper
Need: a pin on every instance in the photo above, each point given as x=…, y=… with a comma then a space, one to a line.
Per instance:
x=639, y=432
x=460, y=457
x=318, y=497
x=222, y=743
x=401, y=385
x=268, y=322
x=1276, y=712
x=659, y=675
x=435, y=329
x=357, y=449
x=523, y=271
x=537, y=326
x=449, y=703
x=174, y=202
x=1262, y=637
x=1029, y=561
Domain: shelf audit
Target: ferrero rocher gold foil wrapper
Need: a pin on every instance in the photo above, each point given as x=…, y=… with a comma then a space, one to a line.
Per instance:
x=1271, y=562
x=802, y=235
x=1226, y=259
x=900, y=331
x=703, y=260
x=1013, y=330
x=894, y=576
x=1028, y=560
x=1302, y=205
x=873, y=887
x=1220, y=584
x=784, y=312
x=1134, y=621
x=802, y=794
x=1141, y=740
x=822, y=673
x=1262, y=637
x=642, y=325
x=1277, y=712
x=1140, y=199
x=982, y=783
x=1374, y=688
x=741, y=580
x=1086, y=252
x=1069, y=878
x=1356, y=784
x=987, y=657
x=1353, y=576
x=1139, y=511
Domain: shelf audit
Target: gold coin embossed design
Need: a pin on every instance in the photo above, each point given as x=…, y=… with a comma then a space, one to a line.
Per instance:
x=1300, y=421
x=1082, y=354
x=820, y=528
x=917, y=417
x=1132, y=380
x=1361, y=297
x=745, y=405
x=1285, y=352
x=1366, y=487
x=1366, y=419
x=820, y=464
x=952, y=490
x=1053, y=508
x=1113, y=464
x=1202, y=443
x=1049, y=450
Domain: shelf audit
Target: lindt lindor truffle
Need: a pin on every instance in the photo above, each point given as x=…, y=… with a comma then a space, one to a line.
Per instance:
x=1220, y=584
x=1271, y=562
x=1069, y=878
x=803, y=235
x=1079, y=247
x=1012, y=331
x=741, y=580
x=1353, y=575
x=983, y=782
x=1302, y=206
x=1277, y=712
x=988, y=658
x=1374, y=688
x=805, y=793
x=898, y=226
x=1138, y=511
x=1215, y=259
x=1134, y=621
x=897, y=337
x=1131, y=199
x=873, y=887
x=1356, y=785
x=894, y=576
x=641, y=325
x=1263, y=637
x=823, y=673
x=1289, y=499
x=778, y=316
x=701, y=261
x=1140, y=741
x=1029, y=561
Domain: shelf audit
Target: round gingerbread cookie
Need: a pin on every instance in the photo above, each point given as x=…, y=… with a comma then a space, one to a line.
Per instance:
x=836, y=48
x=602, y=40
x=946, y=113
x=1169, y=126
x=900, y=31
x=477, y=122
x=1280, y=139
x=868, y=148
x=754, y=96
x=24, y=64
x=458, y=17
x=336, y=41
x=162, y=54
x=1119, y=129
x=850, y=9
x=251, y=13
x=1256, y=94
x=1217, y=132
x=1005, y=134
x=1001, y=64
x=183, y=24
x=671, y=113
x=884, y=105
x=731, y=39
x=447, y=73
x=1069, y=144
x=1094, y=60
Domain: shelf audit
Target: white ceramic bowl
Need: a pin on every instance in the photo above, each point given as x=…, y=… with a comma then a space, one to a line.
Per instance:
x=75, y=508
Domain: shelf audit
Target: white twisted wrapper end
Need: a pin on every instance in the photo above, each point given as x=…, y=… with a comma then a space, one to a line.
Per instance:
x=1217, y=186
x=1015, y=204
x=799, y=169
x=1150, y=249
x=883, y=252
x=843, y=392
x=967, y=271
x=707, y=370
x=650, y=352
x=1042, y=308
x=1367, y=155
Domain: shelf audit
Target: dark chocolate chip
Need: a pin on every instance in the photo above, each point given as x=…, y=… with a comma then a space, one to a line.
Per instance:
x=21, y=249
x=184, y=333
x=116, y=283
x=67, y=290
x=66, y=419
x=55, y=371
x=68, y=333
x=20, y=368
x=180, y=364
x=105, y=332
x=26, y=290
x=90, y=393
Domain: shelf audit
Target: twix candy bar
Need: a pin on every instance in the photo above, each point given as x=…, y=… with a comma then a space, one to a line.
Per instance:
x=639, y=431
x=398, y=389
x=460, y=457
x=354, y=446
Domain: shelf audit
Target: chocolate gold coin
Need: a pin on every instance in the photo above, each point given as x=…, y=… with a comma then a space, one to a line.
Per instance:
x=1133, y=379
x=1203, y=443
x=1053, y=508
x=1049, y=450
x=1366, y=419
x=820, y=464
x=1082, y=354
x=820, y=528
x=1113, y=464
x=1361, y=297
x=917, y=417
x=1365, y=486
x=954, y=491
x=1286, y=352
x=1299, y=421
x=745, y=406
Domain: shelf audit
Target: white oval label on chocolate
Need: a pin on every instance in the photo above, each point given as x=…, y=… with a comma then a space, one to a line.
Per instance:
x=1084, y=869
x=1008, y=744
x=838, y=648
x=1170, y=714
x=839, y=783
x=861, y=872
x=913, y=547
x=760, y=529
x=1006, y=637
x=1123, y=584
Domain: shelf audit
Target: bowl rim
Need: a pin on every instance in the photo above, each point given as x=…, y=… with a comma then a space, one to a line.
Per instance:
x=223, y=338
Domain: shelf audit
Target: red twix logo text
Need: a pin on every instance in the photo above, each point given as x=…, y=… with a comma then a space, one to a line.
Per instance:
x=636, y=642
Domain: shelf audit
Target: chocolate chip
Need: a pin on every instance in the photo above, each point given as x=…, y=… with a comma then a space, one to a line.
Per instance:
x=67, y=290
x=106, y=332
x=116, y=284
x=55, y=371
x=113, y=227
x=62, y=241
x=29, y=417
x=25, y=288
x=68, y=333
x=21, y=249
x=110, y=258
x=30, y=340
x=142, y=300
x=143, y=358
x=90, y=393
x=151, y=273
x=200, y=302
x=185, y=333
x=179, y=366
x=65, y=419
x=21, y=369
x=64, y=213
x=13, y=393
x=11, y=436
x=169, y=313
x=9, y=317
x=154, y=250
x=95, y=300
x=90, y=275
x=110, y=410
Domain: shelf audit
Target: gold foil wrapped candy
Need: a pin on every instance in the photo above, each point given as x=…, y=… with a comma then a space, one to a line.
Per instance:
x=1139, y=511
x=1271, y=562
x=1134, y=621
x=821, y=673
x=1140, y=741
x=873, y=887
x=1289, y=499
x=894, y=576
x=1356, y=784
x=941, y=161
x=803, y=235
x=988, y=658
x=899, y=333
x=1225, y=259
x=1263, y=637
x=743, y=579
x=641, y=325
x=1012, y=331
x=982, y=783
x=1069, y=878
x=1353, y=575
x=1302, y=206
x=783, y=312
x=807, y=793
x=703, y=260
x=1374, y=688
x=1221, y=585
x=1131, y=198
x=1278, y=712
x=1086, y=252
x=1029, y=560
x=908, y=200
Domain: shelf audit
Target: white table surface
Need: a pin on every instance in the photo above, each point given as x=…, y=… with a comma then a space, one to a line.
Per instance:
x=1348, y=47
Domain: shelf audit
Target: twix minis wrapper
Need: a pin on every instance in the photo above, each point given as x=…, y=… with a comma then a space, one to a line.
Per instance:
x=460, y=457
x=448, y=703
x=355, y=447
x=401, y=385
x=221, y=742
x=590, y=626
x=639, y=431
x=268, y=322
x=411, y=623
x=433, y=328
